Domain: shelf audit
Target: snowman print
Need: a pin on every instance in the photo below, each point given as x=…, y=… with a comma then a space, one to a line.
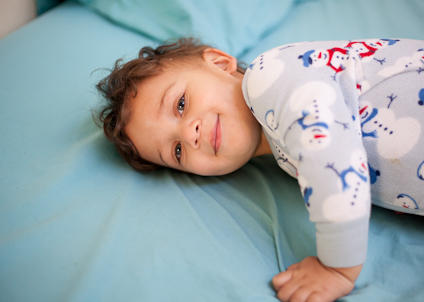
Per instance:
x=395, y=136
x=305, y=190
x=407, y=201
x=270, y=121
x=285, y=161
x=336, y=58
x=365, y=50
x=352, y=201
x=414, y=61
x=312, y=102
x=268, y=68
x=361, y=50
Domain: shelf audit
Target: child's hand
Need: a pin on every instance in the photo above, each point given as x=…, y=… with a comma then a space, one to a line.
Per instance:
x=310, y=280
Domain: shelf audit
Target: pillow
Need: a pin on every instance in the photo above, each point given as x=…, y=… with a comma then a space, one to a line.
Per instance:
x=231, y=25
x=45, y=5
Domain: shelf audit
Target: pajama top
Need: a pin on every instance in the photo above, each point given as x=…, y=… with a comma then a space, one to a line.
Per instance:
x=346, y=118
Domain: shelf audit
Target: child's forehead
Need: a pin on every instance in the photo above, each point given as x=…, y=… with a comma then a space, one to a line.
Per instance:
x=175, y=71
x=151, y=87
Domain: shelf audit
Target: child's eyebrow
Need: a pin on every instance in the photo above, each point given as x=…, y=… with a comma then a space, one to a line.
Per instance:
x=162, y=100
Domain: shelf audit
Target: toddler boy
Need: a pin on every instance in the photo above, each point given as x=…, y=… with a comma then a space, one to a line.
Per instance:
x=345, y=118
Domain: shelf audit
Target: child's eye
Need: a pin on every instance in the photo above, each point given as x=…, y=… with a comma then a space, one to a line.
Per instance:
x=178, y=150
x=181, y=104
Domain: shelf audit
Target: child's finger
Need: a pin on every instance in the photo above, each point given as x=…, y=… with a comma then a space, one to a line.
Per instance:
x=315, y=297
x=287, y=290
x=280, y=279
x=301, y=294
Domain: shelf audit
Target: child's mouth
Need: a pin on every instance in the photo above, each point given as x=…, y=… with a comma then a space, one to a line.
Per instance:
x=215, y=138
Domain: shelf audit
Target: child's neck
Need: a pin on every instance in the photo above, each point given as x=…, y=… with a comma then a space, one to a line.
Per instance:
x=263, y=147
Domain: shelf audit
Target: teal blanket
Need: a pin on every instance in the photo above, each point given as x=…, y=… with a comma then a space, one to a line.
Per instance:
x=77, y=224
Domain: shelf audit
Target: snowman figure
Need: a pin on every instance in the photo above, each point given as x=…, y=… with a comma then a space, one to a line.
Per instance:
x=365, y=50
x=272, y=124
x=315, y=133
x=395, y=136
x=336, y=58
x=367, y=113
x=414, y=61
x=361, y=50
x=351, y=201
x=263, y=72
x=270, y=121
x=311, y=103
x=357, y=167
x=407, y=201
x=381, y=43
x=285, y=161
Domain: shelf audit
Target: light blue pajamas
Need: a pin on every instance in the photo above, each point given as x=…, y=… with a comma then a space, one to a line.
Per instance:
x=346, y=118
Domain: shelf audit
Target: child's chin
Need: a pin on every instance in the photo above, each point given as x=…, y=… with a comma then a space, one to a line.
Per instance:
x=219, y=172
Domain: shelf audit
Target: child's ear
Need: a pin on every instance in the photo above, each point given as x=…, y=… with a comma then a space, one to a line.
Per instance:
x=220, y=59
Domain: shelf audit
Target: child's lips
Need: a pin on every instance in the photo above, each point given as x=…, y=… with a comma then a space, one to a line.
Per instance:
x=215, y=137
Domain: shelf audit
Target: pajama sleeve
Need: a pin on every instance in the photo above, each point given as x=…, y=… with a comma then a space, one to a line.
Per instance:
x=332, y=170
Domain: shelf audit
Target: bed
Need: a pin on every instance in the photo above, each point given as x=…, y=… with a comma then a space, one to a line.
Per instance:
x=78, y=224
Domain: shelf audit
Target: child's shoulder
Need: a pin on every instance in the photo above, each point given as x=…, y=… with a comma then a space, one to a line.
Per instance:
x=284, y=63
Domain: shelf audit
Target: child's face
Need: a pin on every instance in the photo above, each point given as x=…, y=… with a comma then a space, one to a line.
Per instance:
x=192, y=117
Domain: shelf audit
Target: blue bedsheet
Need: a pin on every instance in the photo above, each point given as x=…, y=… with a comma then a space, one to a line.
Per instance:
x=77, y=224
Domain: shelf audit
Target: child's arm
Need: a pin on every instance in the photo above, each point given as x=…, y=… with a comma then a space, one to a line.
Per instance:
x=310, y=280
x=334, y=180
x=316, y=123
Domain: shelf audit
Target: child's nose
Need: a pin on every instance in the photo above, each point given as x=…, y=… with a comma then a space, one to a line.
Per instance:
x=192, y=133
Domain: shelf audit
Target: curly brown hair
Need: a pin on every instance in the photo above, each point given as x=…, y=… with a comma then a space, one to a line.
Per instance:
x=121, y=85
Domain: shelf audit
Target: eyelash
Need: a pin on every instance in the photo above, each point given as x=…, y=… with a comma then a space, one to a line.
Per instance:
x=181, y=102
x=178, y=151
x=180, y=109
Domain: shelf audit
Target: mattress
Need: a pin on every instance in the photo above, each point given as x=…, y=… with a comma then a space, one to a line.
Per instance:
x=78, y=224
